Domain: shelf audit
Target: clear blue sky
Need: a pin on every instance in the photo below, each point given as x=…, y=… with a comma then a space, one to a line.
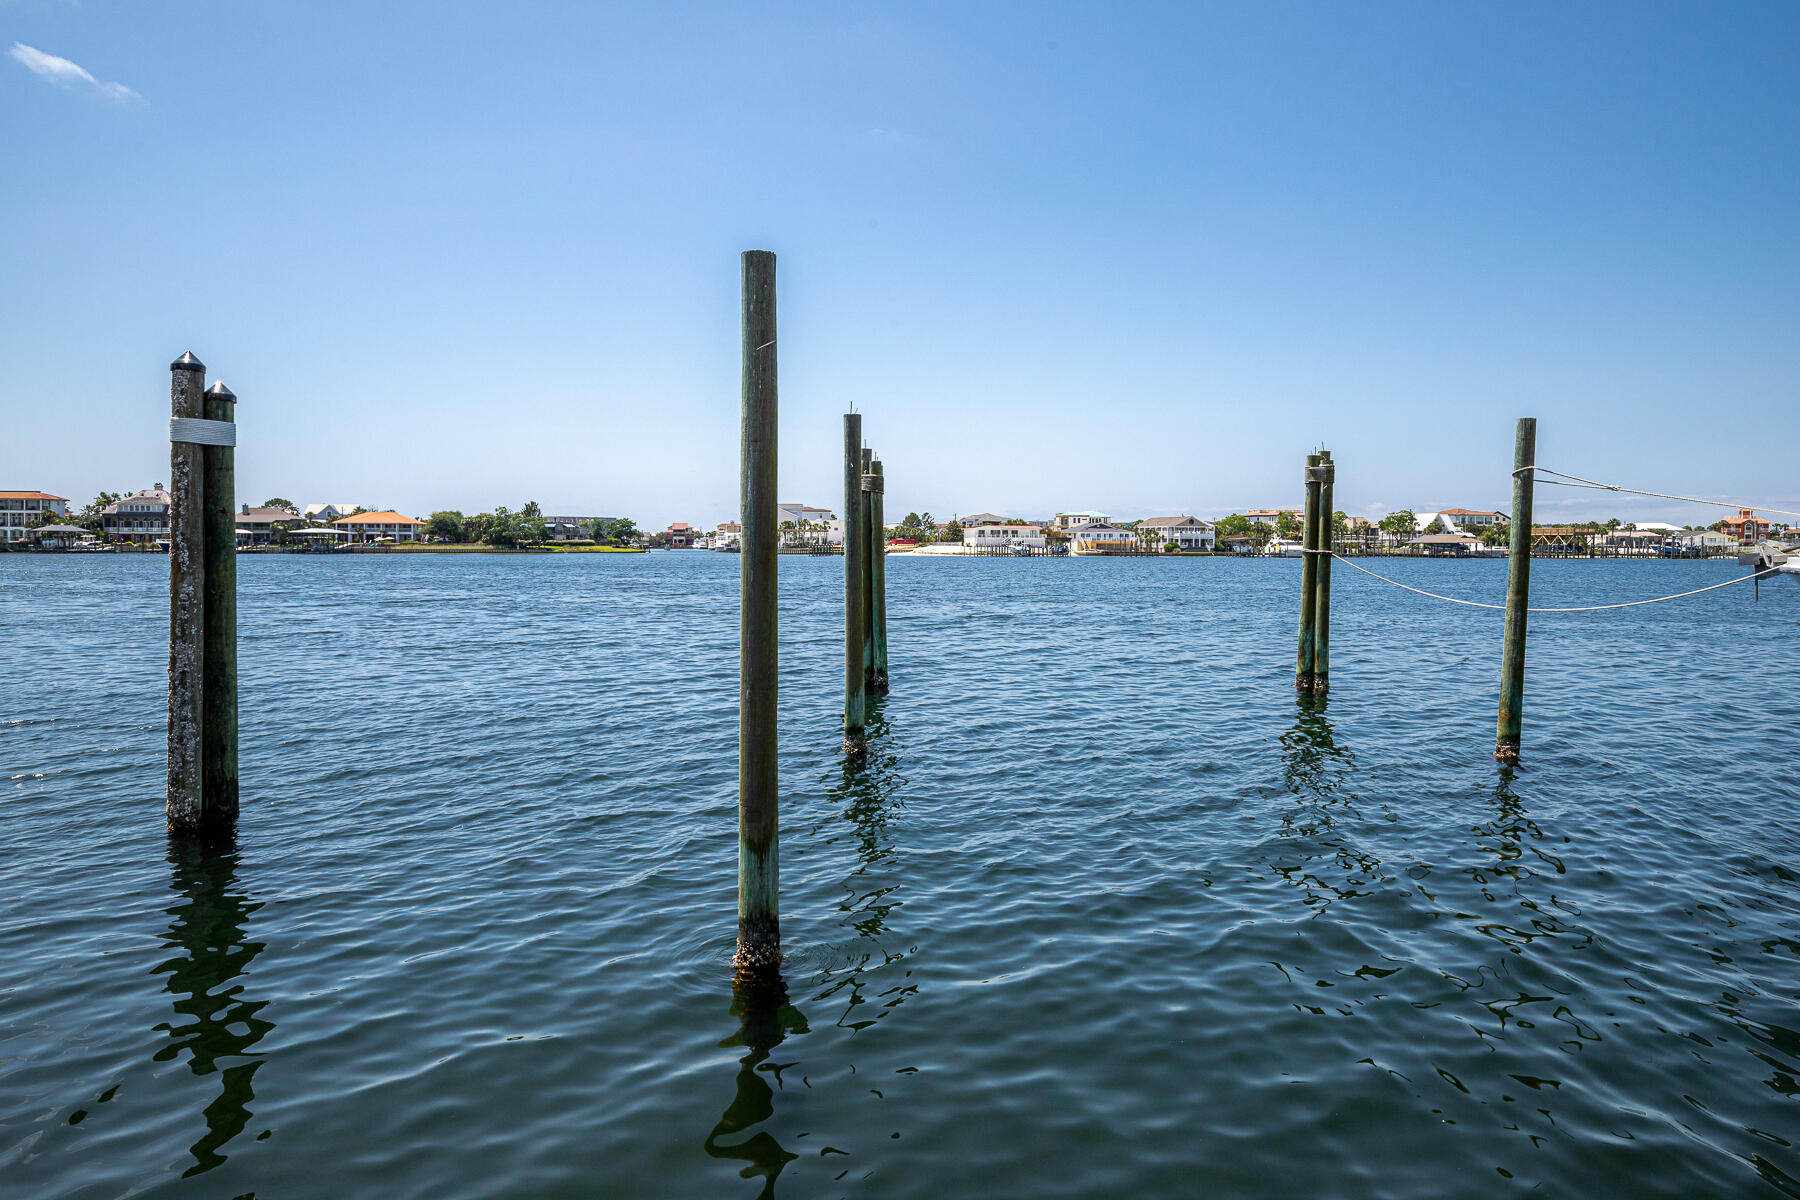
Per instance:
x=1137, y=258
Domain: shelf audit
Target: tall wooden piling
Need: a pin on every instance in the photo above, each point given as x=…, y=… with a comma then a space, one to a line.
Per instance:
x=1518, y=595
x=187, y=600
x=1321, y=673
x=869, y=549
x=855, y=564
x=1309, y=578
x=759, y=912
x=879, y=571
x=219, y=737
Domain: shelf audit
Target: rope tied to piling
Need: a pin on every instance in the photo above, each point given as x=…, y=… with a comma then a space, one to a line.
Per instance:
x=1576, y=481
x=1502, y=607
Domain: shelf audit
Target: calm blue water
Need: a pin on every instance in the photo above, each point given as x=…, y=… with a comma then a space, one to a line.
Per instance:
x=1107, y=914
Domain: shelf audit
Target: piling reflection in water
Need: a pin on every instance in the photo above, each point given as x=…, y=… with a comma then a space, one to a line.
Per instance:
x=765, y=1019
x=865, y=793
x=216, y=1026
x=1319, y=770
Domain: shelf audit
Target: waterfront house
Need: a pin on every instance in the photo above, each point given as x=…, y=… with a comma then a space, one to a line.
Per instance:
x=377, y=526
x=1472, y=520
x=680, y=535
x=1101, y=537
x=568, y=528
x=727, y=533
x=1002, y=537
x=1190, y=533
x=800, y=513
x=1699, y=543
x=1747, y=527
x=1633, y=543
x=257, y=525
x=328, y=512
x=141, y=518
x=1239, y=543
x=1069, y=520
x=1272, y=516
x=982, y=519
x=20, y=510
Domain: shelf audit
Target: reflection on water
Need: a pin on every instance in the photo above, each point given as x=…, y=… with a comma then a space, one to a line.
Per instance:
x=765, y=1019
x=215, y=1025
x=1318, y=771
x=865, y=794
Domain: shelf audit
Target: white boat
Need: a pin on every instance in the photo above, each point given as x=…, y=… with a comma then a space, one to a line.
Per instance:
x=1282, y=548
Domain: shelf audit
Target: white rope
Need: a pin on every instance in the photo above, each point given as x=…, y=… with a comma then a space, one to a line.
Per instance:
x=1502, y=607
x=1613, y=487
x=201, y=432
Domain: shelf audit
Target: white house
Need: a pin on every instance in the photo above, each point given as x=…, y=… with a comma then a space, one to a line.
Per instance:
x=1001, y=537
x=1271, y=516
x=20, y=510
x=377, y=526
x=1190, y=533
x=1470, y=520
x=1070, y=520
x=1098, y=537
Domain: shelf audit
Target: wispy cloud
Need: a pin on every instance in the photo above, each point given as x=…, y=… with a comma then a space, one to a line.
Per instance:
x=64, y=73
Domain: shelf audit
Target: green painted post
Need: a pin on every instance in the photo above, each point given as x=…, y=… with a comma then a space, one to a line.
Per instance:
x=185, y=804
x=1321, y=682
x=1309, y=578
x=878, y=566
x=219, y=737
x=1518, y=596
x=855, y=563
x=759, y=876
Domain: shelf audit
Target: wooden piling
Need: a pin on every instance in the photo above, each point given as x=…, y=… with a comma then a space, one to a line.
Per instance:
x=879, y=589
x=219, y=736
x=870, y=549
x=187, y=596
x=855, y=564
x=1518, y=595
x=759, y=913
x=1321, y=678
x=1309, y=578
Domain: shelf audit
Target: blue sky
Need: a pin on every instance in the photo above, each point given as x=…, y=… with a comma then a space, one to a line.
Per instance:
x=1130, y=258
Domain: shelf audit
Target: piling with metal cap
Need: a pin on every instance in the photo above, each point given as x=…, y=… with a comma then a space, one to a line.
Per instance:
x=1321, y=672
x=855, y=564
x=1518, y=595
x=878, y=588
x=187, y=602
x=759, y=913
x=1309, y=578
x=219, y=736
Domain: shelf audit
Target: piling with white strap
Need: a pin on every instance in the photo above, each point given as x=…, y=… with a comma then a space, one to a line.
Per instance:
x=202, y=793
x=187, y=600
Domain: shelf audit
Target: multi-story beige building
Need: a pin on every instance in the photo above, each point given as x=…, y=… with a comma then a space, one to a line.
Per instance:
x=19, y=511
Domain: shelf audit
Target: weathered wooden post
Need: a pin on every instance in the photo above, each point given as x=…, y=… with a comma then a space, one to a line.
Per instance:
x=759, y=911
x=855, y=563
x=879, y=589
x=868, y=573
x=219, y=738
x=1518, y=595
x=1309, y=578
x=1321, y=681
x=187, y=598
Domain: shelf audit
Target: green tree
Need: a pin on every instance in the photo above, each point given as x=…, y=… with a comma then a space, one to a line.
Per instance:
x=531, y=509
x=475, y=527
x=1400, y=524
x=89, y=515
x=953, y=532
x=449, y=524
x=278, y=502
x=1236, y=525
x=1287, y=525
x=1436, y=526
x=531, y=530
x=502, y=527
